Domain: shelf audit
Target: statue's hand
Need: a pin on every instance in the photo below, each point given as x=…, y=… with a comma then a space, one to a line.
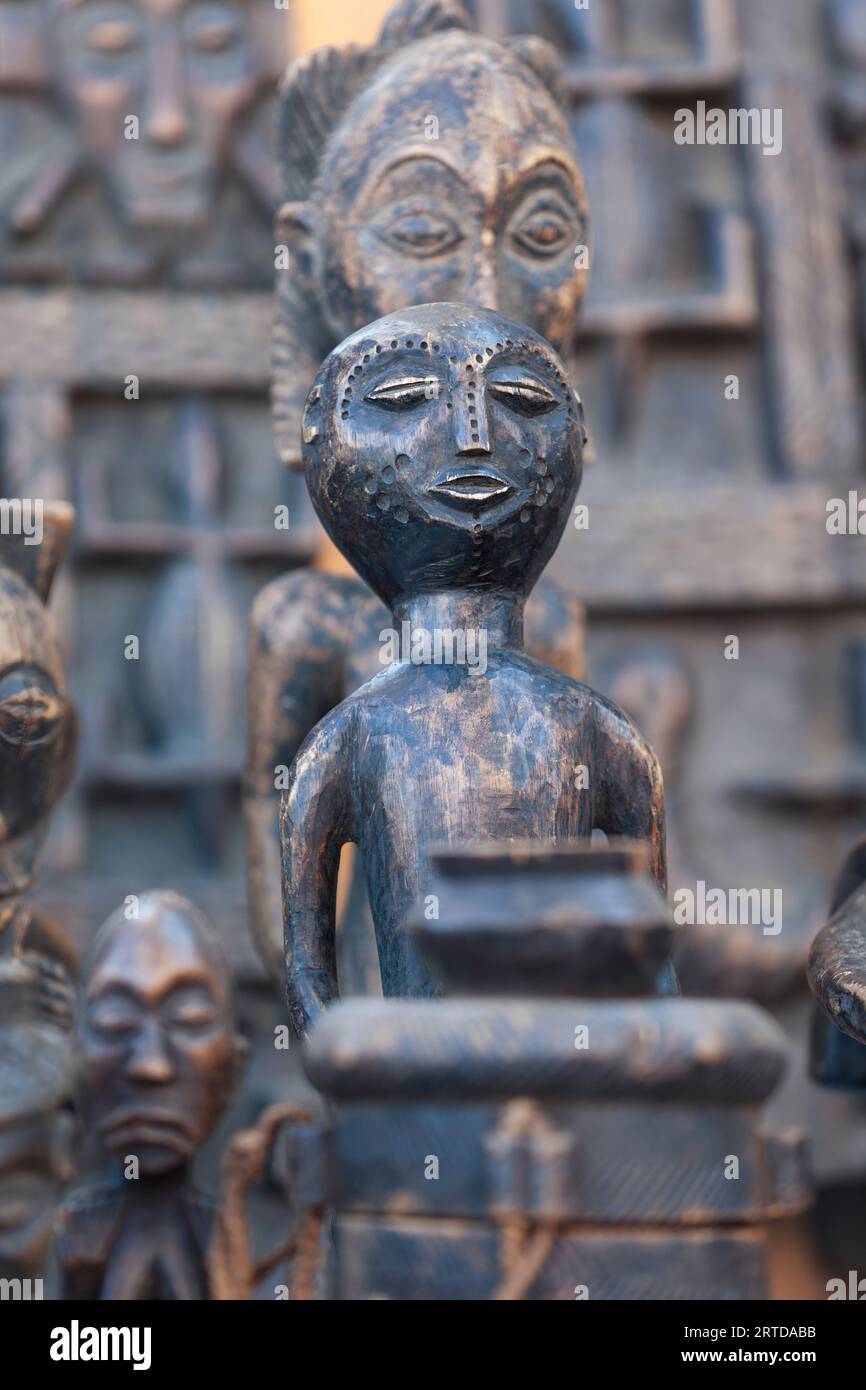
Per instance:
x=39, y=985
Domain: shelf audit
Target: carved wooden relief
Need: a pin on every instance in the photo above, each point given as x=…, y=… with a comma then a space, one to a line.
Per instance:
x=136, y=265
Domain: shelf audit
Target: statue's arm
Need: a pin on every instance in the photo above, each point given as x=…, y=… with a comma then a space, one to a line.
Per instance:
x=315, y=822
x=296, y=674
x=631, y=799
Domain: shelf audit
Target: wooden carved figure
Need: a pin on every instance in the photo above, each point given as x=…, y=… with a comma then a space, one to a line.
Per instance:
x=159, y=1058
x=442, y=448
x=38, y=725
x=38, y=730
x=435, y=165
x=36, y=1085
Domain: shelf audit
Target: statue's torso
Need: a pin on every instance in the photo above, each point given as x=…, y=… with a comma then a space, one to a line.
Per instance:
x=443, y=755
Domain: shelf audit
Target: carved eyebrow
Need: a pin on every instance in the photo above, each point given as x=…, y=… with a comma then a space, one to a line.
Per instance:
x=569, y=175
x=410, y=154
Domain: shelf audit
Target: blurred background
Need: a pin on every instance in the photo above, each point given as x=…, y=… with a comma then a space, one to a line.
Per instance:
x=720, y=357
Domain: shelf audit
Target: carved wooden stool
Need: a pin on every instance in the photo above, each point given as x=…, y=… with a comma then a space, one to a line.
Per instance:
x=552, y=1130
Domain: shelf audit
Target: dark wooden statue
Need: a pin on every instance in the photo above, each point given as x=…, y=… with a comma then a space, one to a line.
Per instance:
x=555, y=1130
x=37, y=996
x=38, y=730
x=442, y=449
x=159, y=1059
x=435, y=165
x=37, y=722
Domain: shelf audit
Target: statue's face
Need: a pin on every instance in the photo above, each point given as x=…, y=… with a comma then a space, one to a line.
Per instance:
x=30, y=1179
x=184, y=69
x=442, y=448
x=157, y=1050
x=453, y=177
x=38, y=729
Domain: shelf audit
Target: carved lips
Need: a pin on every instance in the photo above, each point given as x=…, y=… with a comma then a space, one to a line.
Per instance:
x=472, y=488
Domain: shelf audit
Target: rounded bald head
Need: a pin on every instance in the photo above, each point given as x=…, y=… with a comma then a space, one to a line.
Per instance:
x=442, y=449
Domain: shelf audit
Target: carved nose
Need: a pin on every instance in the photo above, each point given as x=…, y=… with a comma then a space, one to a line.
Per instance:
x=471, y=432
x=151, y=1064
x=167, y=118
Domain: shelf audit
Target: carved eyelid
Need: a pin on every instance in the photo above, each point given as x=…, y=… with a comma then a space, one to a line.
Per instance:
x=405, y=386
x=525, y=385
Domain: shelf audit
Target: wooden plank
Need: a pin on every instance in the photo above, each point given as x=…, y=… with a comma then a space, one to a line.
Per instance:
x=176, y=340
x=713, y=547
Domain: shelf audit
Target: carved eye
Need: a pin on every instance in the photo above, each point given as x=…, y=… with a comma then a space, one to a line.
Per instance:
x=114, y=1018
x=523, y=397
x=421, y=233
x=215, y=35
x=193, y=1014
x=113, y=36
x=30, y=709
x=405, y=394
x=544, y=232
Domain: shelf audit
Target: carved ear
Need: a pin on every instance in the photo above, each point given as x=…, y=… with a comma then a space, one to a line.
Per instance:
x=37, y=556
x=412, y=20
x=543, y=59
x=295, y=226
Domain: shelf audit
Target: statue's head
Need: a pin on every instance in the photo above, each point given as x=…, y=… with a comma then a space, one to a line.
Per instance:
x=436, y=166
x=38, y=726
x=185, y=69
x=442, y=448
x=158, y=1051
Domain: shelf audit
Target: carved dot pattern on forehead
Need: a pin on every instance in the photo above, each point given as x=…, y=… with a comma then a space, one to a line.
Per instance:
x=356, y=368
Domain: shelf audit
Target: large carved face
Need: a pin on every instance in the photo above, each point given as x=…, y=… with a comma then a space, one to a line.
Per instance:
x=38, y=726
x=156, y=1039
x=183, y=68
x=452, y=177
x=442, y=448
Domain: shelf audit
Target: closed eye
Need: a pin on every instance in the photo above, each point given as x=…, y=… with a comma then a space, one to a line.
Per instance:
x=405, y=394
x=523, y=397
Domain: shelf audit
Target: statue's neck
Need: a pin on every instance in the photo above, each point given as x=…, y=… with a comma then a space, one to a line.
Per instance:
x=494, y=611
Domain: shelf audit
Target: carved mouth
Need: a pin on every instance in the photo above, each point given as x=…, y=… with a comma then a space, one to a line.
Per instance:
x=473, y=488
x=147, y=1126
